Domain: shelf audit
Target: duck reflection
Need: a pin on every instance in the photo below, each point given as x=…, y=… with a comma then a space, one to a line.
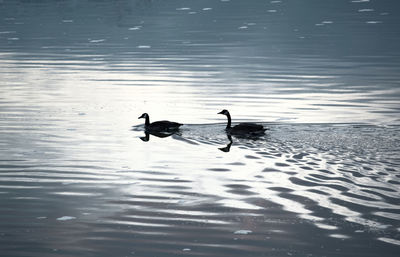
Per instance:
x=227, y=148
x=147, y=134
x=241, y=138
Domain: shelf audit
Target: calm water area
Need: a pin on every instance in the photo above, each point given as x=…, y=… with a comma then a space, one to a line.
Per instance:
x=79, y=177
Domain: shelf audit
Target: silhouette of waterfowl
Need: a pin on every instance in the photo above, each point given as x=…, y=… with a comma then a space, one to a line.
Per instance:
x=159, y=126
x=242, y=129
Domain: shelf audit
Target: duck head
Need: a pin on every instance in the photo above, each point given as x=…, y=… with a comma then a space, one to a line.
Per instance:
x=224, y=112
x=144, y=115
x=228, y=116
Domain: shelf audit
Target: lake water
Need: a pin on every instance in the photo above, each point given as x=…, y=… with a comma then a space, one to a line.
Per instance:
x=78, y=177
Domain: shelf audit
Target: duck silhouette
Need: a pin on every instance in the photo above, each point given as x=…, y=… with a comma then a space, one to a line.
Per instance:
x=159, y=126
x=242, y=129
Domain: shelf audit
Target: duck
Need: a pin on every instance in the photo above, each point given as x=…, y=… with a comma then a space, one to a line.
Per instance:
x=160, y=126
x=242, y=128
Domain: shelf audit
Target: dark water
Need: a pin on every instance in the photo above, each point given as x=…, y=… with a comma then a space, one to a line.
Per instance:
x=77, y=179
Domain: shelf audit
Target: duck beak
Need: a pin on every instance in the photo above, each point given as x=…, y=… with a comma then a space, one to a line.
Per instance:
x=221, y=112
x=140, y=117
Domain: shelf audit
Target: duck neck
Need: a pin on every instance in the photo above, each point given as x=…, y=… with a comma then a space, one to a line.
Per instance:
x=147, y=120
x=228, y=126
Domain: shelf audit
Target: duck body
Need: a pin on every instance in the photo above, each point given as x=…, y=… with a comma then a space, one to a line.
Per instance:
x=160, y=126
x=242, y=128
x=163, y=125
x=246, y=128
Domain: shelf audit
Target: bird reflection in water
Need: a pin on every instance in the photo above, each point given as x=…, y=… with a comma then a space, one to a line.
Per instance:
x=244, y=137
x=147, y=134
x=227, y=148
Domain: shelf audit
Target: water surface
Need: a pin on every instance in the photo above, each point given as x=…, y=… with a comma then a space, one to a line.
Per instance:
x=79, y=178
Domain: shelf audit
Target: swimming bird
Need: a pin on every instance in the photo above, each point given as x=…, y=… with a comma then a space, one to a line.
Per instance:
x=242, y=128
x=160, y=126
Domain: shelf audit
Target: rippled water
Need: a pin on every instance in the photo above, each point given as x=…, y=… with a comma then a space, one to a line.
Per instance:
x=78, y=177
